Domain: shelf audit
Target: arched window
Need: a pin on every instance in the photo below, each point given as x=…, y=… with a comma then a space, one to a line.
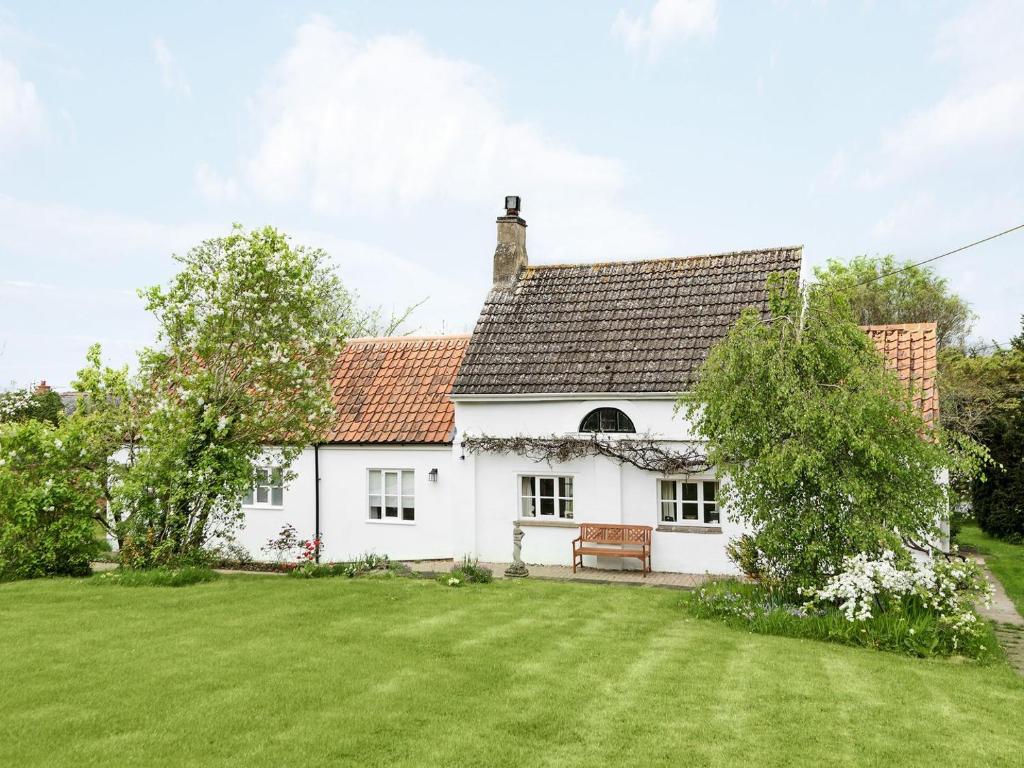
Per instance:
x=606, y=420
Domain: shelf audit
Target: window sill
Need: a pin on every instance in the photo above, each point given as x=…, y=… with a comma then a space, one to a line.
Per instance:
x=268, y=507
x=670, y=528
x=391, y=522
x=530, y=522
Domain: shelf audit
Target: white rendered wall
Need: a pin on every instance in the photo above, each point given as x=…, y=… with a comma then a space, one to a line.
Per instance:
x=344, y=507
x=486, y=501
x=541, y=418
x=345, y=527
x=263, y=523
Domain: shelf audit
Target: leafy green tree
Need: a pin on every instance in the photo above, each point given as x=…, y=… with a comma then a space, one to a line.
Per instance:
x=824, y=454
x=998, y=498
x=108, y=413
x=978, y=389
x=47, y=501
x=28, y=405
x=373, y=321
x=249, y=330
x=882, y=290
x=914, y=294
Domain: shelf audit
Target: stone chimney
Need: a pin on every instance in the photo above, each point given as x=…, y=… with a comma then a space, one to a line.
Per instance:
x=42, y=388
x=510, y=255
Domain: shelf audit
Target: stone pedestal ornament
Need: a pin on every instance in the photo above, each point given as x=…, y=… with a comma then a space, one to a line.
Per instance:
x=517, y=569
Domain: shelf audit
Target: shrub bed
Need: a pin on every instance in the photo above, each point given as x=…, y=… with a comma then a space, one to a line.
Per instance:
x=367, y=565
x=903, y=626
x=469, y=572
x=254, y=566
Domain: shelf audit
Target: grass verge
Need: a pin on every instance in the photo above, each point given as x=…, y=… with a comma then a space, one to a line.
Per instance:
x=1005, y=560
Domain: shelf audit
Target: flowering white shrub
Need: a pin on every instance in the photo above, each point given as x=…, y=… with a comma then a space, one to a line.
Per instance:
x=13, y=404
x=950, y=588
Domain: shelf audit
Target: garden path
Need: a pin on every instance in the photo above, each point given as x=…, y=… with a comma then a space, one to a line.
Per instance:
x=592, y=575
x=1009, y=624
x=547, y=572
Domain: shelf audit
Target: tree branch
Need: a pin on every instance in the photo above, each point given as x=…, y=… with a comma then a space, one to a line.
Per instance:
x=642, y=452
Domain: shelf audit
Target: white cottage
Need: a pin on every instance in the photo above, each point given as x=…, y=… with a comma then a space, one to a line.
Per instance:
x=570, y=352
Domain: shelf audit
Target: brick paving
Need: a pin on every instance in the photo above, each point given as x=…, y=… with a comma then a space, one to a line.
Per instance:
x=591, y=575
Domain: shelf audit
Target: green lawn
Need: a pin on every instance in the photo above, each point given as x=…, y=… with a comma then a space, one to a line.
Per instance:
x=272, y=671
x=1005, y=560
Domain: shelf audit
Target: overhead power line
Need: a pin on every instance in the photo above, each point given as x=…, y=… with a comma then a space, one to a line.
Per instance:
x=940, y=256
x=839, y=288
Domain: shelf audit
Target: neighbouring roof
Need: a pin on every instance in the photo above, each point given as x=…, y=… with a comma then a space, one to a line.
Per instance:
x=395, y=390
x=910, y=349
x=631, y=326
x=70, y=401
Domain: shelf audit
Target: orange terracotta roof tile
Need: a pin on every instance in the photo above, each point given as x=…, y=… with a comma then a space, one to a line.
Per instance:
x=395, y=390
x=911, y=349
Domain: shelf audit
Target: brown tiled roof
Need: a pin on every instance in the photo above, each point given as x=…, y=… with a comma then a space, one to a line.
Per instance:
x=910, y=349
x=633, y=326
x=395, y=390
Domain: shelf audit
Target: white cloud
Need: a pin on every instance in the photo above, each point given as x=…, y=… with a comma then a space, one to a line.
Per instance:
x=72, y=238
x=984, y=106
x=984, y=40
x=171, y=74
x=21, y=113
x=447, y=301
x=69, y=280
x=71, y=274
x=667, y=22
x=386, y=123
x=964, y=119
x=213, y=187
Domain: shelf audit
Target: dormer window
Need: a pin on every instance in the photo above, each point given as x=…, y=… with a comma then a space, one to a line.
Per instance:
x=606, y=420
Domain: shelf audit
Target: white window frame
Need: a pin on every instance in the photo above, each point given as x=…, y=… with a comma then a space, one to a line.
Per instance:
x=251, y=499
x=382, y=496
x=701, y=502
x=559, y=510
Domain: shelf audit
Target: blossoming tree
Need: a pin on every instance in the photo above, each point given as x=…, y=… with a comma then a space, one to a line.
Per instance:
x=249, y=330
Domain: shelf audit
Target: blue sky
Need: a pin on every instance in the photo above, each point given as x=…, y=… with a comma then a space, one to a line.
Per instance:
x=388, y=134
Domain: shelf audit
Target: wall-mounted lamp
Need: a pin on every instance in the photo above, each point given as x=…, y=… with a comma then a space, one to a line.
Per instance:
x=432, y=475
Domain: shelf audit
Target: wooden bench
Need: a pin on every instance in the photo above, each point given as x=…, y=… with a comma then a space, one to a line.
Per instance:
x=631, y=540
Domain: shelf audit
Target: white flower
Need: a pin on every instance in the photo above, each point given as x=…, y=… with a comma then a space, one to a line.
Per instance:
x=453, y=582
x=950, y=588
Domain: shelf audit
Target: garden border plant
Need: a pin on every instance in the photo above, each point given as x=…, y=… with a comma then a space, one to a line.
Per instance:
x=893, y=602
x=369, y=564
x=468, y=572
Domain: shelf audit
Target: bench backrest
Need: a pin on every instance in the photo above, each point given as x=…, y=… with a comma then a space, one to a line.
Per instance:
x=615, y=533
